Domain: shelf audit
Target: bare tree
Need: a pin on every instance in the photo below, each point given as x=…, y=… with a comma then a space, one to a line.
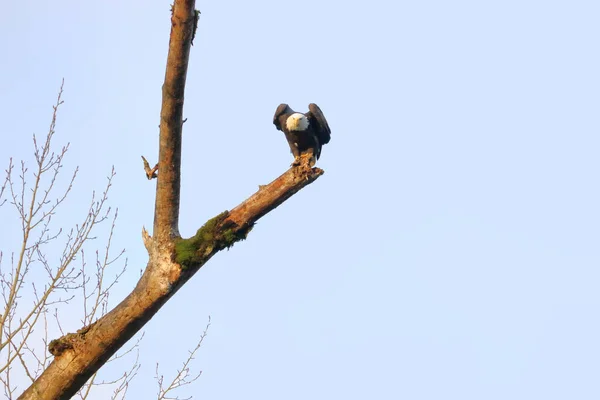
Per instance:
x=42, y=277
x=172, y=259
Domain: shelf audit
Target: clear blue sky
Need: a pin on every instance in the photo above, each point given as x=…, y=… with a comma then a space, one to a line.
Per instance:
x=450, y=251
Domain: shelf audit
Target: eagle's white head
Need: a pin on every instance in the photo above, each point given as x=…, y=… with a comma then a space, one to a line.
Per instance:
x=297, y=122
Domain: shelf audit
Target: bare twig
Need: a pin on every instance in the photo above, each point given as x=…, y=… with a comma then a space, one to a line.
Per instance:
x=36, y=202
x=183, y=376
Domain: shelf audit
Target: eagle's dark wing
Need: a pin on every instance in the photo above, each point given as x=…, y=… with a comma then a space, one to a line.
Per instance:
x=281, y=110
x=317, y=119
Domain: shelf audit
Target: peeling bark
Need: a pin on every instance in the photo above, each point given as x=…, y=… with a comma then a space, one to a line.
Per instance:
x=172, y=260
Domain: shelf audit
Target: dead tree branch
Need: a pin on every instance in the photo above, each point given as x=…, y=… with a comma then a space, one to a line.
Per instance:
x=172, y=260
x=166, y=211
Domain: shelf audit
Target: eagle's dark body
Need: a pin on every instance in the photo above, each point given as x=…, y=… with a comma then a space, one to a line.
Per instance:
x=306, y=133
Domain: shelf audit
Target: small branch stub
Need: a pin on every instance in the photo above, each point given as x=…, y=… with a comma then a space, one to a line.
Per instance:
x=151, y=173
x=146, y=238
x=196, y=19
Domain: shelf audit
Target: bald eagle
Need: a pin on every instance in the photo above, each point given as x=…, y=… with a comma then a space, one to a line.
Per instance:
x=305, y=133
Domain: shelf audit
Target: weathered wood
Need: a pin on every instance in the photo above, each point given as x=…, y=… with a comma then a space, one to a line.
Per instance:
x=272, y=195
x=87, y=352
x=166, y=211
x=89, y=349
x=79, y=355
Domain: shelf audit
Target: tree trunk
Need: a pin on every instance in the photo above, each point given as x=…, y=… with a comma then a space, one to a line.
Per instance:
x=172, y=260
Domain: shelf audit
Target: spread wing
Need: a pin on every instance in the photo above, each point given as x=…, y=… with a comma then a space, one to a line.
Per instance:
x=317, y=119
x=281, y=110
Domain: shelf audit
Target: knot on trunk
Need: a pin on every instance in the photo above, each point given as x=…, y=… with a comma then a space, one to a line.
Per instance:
x=68, y=342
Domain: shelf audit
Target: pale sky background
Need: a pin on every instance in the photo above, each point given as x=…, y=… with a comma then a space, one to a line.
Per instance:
x=450, y=251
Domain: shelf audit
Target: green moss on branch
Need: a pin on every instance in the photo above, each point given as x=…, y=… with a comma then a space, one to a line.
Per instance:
x=216, y=234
